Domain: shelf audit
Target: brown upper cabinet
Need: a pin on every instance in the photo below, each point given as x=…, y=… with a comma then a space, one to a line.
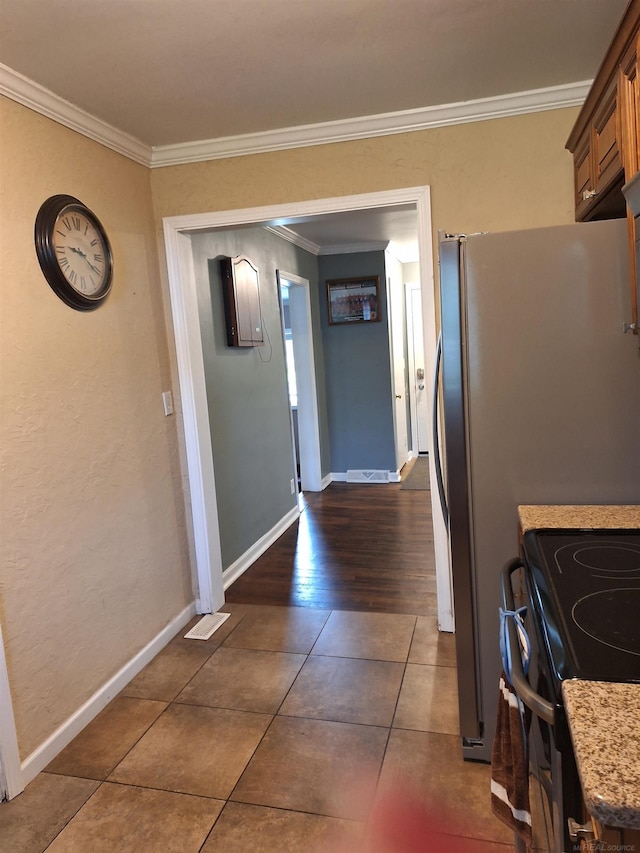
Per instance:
x=241, y=293
x=605, y=140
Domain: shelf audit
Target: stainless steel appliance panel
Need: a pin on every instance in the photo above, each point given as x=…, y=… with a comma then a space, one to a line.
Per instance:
x=550, y=402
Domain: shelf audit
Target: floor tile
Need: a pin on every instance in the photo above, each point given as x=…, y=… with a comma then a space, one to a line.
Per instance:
x=345, y=689
x=194, y=750
x=107, y=739
x=30, y=821
x=429, y=700
x=244, y=680
x=242, y=828
x=172, y=668
x=130, y=820
x=401, y=820
x=278, y=629
x=376, y=636
x=458, y=790
x=431, y=646
x=315, y=766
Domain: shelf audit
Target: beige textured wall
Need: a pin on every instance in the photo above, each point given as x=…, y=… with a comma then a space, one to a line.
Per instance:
x=94, y=553
x=494, y=175
x=94, y=549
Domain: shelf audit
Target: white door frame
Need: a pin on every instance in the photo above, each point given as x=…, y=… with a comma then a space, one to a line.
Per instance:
x=11, y=776
x=417, y=400
x=303, y=353
x=182, y=288
x=395, y=302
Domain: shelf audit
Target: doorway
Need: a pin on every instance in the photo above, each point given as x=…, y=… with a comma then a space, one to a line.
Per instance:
x=295, y=303
x=419, y=405
x=398, y=349
x=182, y=289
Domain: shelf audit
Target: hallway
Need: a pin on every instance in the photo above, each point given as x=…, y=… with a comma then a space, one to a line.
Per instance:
x=284, y=729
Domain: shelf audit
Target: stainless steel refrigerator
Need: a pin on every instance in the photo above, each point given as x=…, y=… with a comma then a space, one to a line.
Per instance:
x=540, y=404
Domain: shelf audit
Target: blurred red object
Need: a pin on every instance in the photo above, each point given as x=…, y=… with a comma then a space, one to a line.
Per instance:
x=402, y=823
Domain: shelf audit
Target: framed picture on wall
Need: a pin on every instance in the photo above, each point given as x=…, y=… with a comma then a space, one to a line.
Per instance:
x=353, y=300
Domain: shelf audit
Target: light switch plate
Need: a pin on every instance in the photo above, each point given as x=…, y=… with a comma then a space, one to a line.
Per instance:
x=167, y=402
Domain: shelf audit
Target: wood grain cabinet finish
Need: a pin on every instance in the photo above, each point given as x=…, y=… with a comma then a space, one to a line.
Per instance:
x=241, y=292
x=629, y=109
x=597, y=161
x=605, y=140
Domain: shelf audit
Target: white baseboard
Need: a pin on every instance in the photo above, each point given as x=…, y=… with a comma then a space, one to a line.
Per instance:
x=240, y=566
x=63, y=735
x=326, y=481
x=366, y=476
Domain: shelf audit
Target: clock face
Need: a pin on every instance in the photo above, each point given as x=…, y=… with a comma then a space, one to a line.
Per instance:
x=74, y=252
x=81, y=251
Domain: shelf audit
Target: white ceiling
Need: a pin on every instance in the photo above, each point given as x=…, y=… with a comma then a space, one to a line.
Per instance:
x=168, y=72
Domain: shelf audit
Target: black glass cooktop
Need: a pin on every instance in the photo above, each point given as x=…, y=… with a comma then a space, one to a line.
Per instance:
x=585, y=587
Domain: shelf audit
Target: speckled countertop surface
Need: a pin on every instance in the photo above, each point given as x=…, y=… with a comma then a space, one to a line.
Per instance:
x=604, y=717
x=535, y=517
x=604, y=720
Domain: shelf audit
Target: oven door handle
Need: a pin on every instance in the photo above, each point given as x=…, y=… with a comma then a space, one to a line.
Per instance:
x=536, y=703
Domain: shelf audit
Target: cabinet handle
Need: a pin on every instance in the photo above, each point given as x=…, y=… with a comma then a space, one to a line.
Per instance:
x=580, y=830
x=629, y=327
x=587, y=194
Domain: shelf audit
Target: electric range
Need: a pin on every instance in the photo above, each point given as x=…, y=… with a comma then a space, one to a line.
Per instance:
x=584, y=587
x=583, y=621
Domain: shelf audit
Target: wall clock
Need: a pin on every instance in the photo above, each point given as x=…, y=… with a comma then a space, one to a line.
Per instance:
x=74, y=252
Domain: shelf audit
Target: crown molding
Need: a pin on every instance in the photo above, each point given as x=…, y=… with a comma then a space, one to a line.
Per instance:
x=314, y=249
x=502, y=106
x=354, y=248
x=34, y=96
x=19, y=88
x=291, y=237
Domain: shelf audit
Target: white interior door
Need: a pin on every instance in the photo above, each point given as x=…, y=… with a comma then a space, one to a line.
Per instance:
x=304, y=358
x=395, y=302
x=418, y=394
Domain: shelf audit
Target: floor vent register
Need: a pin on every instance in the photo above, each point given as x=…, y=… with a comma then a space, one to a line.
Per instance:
x=207, y=626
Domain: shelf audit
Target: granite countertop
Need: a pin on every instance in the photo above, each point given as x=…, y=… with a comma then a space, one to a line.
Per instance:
x=604, y=721
x=596, y=517
x=603, y=717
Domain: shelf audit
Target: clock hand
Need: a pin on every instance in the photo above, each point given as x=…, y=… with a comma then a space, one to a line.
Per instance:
x=82, y=254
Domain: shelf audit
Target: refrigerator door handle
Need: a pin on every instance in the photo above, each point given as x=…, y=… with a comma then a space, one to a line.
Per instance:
x=436, y=438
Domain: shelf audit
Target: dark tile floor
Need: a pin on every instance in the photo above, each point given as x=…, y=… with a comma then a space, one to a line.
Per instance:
x=280, y=733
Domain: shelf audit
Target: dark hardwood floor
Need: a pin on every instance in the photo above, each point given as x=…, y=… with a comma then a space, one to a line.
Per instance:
x=355, y=547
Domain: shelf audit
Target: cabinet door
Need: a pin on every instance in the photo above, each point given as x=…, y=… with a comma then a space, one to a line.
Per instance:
x=606, y=141
x=241, y=291
x=629, y=100
x=629, y=94
x=583, y=175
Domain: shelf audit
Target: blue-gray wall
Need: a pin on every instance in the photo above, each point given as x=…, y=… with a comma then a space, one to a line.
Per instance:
x=358, y=374
x=246, y=389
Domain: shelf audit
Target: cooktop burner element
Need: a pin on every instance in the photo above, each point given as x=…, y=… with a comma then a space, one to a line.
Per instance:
x=605, y=617
x=608, y=558
x=586, y=587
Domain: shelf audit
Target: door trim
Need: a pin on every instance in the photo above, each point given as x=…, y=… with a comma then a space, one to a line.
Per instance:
x=182, y=288
x=416, y=433
x=11, y=775
x=308, y=415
